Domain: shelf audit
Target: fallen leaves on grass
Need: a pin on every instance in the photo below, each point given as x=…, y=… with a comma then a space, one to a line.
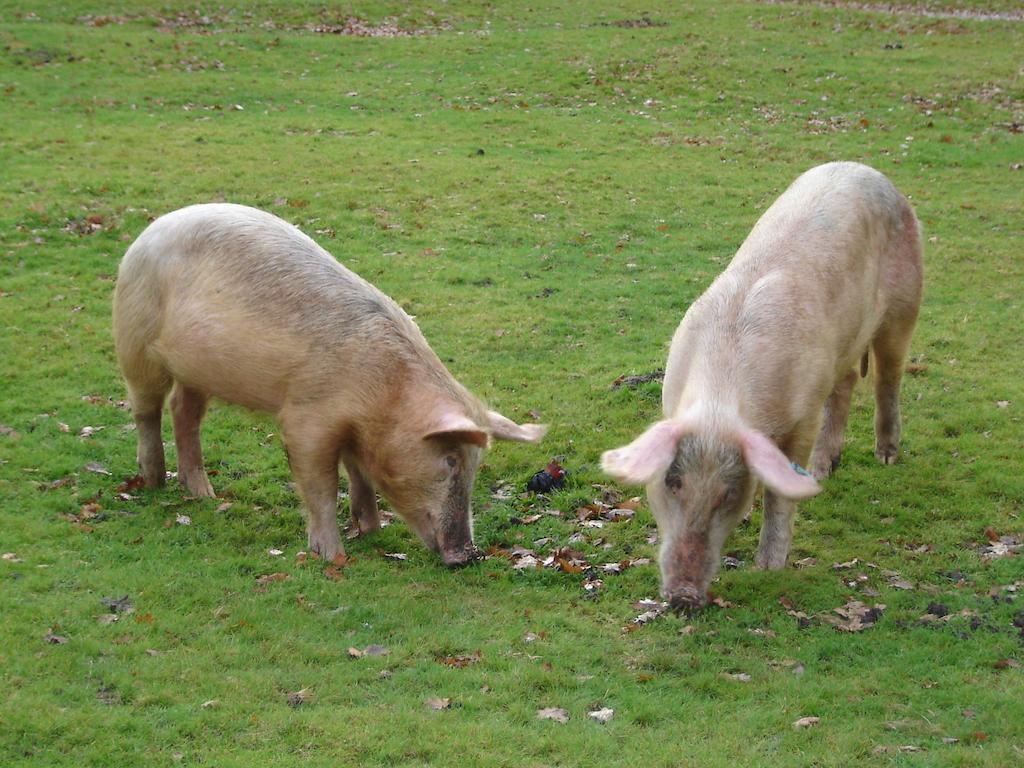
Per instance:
x=855, y=616
x=1000, y=546
x=739, y=677
x=806, y=722
x=89, y=511
x=58, y=483
x=896, y=581
x=602, y=715
x=437, y=703
x=118, y=605
x=339, y=561
x=53, y=638
x=396, y=555
x=96, y=468
x=133, y=483
x=805, y=562
x=649, y=611
x=633, y=381
x=333, y=573
x=270, y=578
x=370, y=651
x=11, y=557
x=183, y=520
x=354, y=27
x=557, y=714
x=298, y=698
x=100, y=400
x=939, y=612
x=460, y=660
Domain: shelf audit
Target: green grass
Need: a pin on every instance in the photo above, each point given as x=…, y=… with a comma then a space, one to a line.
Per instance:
x=547, y=192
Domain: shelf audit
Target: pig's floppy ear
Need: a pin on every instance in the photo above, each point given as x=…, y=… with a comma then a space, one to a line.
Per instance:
x=651, y=453
x=458, y=427
x=506, y=429
x=774, y=469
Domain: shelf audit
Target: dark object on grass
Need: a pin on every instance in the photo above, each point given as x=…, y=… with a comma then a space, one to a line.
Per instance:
x=632, y=382
x=550, y=478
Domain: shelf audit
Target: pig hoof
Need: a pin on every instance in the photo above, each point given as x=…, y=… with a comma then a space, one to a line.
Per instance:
x=198, y=486
x=327, y=550
x=887, y=456
x=823, y=466
x=366, y=527
x=686, y=600
x=769, y=562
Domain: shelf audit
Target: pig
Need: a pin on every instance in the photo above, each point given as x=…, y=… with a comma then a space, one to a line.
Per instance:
x=232, y=302
x=761, y=370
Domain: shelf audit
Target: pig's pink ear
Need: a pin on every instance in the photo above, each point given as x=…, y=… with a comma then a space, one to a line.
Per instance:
x=506, y=429
x=458, y=427
x=651, y=453
x=774, y=469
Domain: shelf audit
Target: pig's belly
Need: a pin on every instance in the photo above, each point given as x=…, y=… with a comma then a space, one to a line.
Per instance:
x=239, y=363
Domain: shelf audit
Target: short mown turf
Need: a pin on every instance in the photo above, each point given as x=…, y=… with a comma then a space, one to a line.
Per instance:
x=546, y=187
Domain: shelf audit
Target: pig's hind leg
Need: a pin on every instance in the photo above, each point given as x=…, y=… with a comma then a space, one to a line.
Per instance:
x=903, y=285
x=313, y=455
x=829, y=446
x=889, y=348
x=362, y=498
x=147, y=406
x=187, y=409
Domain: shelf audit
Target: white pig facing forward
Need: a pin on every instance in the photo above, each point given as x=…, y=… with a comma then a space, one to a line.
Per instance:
x=762, y=367
x=230, y=302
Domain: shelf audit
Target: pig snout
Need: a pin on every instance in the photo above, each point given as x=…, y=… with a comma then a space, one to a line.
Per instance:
x=457, y=557
x=685, y=599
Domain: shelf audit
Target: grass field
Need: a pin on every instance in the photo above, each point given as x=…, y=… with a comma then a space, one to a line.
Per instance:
x=547, y=187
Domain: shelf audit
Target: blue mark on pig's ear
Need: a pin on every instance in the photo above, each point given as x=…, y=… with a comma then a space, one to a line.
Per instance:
x=799, y=470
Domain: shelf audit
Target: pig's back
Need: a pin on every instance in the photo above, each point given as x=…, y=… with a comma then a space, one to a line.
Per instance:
x=831, y=217
x=804, y=294
x=248, y=308
x=226, y=252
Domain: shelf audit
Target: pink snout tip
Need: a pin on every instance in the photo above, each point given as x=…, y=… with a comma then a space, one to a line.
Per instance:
x=457, y=558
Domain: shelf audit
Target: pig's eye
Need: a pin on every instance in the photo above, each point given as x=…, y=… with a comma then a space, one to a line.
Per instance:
x=723, y=498
x=451, y=461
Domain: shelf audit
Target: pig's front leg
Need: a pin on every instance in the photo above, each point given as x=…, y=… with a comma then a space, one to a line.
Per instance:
x=314, y=462
x=779, y=512
x=776, y=532
x=362, y=498
x=829, y=446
